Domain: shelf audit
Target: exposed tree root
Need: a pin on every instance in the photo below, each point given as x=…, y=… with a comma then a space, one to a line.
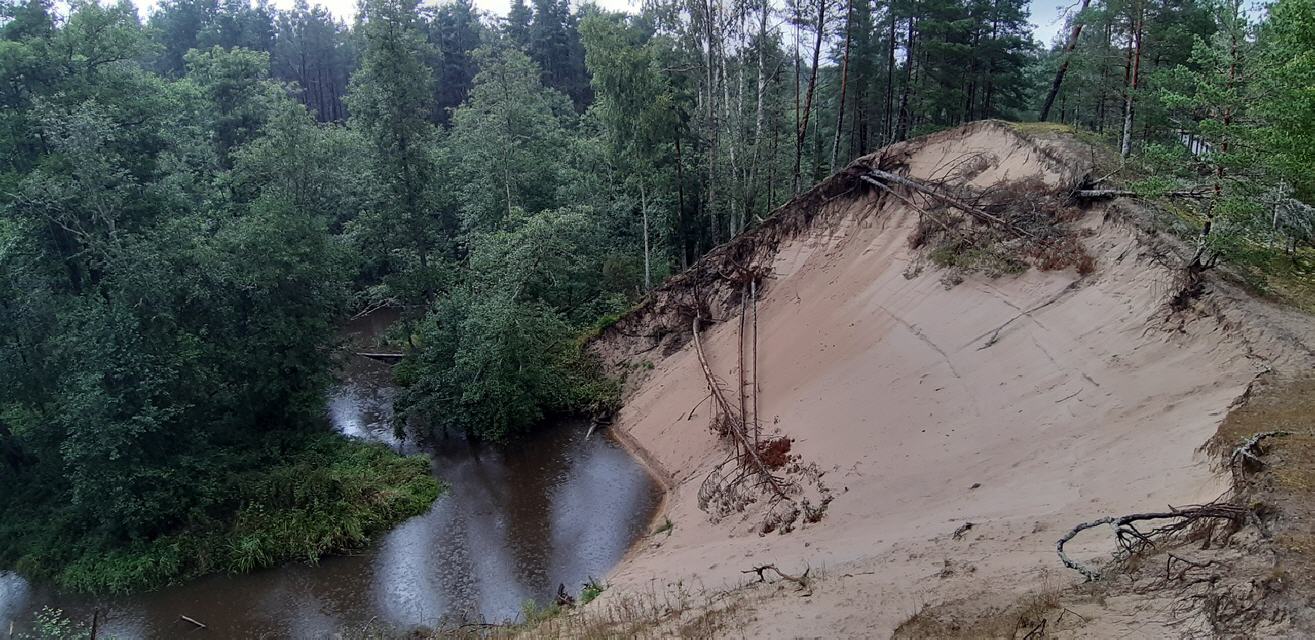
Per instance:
x=1246, y=457
x=722, y=489
x=1131, y=539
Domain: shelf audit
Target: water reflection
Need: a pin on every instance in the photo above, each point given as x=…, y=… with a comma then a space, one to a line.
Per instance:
x=517, y=521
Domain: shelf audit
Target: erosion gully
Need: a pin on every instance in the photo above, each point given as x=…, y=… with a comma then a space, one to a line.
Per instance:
x=554, y=508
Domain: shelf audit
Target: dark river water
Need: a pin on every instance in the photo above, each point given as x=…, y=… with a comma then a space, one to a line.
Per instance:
x=554, y=508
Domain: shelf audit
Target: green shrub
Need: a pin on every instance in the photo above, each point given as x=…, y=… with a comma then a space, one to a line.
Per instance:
x=325, y=496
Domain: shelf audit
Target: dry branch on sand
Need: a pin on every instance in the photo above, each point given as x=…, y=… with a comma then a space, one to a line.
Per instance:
x=804, y=584
x=1131, y=539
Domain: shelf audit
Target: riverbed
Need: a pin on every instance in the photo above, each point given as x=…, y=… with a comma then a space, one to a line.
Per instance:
x=554, y=508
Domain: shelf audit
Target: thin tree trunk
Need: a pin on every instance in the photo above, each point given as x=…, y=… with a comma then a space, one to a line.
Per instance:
x=844, y=86
x=1224, y=142
x=888, y=118
x=1129, y=99
x=712, y=124
x=643, y=210
x=802, y=133
x=759, y=111
x=902, y=129
x=1063, y=65
x=798, y=98
x=680, y=205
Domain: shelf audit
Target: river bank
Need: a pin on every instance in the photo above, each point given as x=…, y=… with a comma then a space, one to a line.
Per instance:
x=556, y=508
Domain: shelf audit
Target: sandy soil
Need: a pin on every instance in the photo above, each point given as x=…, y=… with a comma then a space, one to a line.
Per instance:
x=1021, y=404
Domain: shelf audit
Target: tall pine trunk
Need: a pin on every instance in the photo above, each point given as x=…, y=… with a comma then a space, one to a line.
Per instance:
x=888, y=117
x=802, y=133
x=1063, y=65
x=844, y=86
x=759, y=112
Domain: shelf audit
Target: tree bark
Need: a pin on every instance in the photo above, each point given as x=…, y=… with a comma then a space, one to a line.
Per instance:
x=902, y=129
x=844, y=86
x=808, y=99
x=680, y=205
x=888, y=118
x=1129, y=99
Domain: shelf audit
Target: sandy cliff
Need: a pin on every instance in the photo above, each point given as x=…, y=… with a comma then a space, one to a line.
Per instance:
x=928, y=399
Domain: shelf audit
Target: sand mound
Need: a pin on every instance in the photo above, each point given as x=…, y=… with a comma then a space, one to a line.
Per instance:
x=1021, y=404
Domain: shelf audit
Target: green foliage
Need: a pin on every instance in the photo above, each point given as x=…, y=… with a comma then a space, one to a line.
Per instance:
x=295, y=500
x=169, y=283
x=1287, y=83
x=532, y=612
x=408, y=220
x=666, y=527
x=507, y=141
x=497, y=353
x=592, y=589
x=52, y=624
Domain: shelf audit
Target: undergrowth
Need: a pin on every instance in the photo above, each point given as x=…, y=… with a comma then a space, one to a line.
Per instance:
x=325, y=496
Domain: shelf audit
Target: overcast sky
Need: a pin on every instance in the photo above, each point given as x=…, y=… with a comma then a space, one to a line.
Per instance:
x=1045, y=13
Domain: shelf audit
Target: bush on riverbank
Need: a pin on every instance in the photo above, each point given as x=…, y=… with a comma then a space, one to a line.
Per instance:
x=297, y=500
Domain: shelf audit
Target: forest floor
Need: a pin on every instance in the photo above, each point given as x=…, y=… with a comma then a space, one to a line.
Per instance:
x=952, y=407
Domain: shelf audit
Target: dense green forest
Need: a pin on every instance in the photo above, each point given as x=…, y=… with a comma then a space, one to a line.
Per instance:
x=193, y=201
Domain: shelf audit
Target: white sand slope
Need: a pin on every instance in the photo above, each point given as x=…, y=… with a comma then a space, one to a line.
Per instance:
x=1022, y=404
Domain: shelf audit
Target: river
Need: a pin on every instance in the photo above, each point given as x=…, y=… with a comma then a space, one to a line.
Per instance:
x=517, y=521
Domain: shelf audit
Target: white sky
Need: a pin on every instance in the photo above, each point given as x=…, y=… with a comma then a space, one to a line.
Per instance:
x=1046, y=17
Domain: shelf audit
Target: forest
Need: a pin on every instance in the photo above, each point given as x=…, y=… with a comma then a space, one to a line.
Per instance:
x=194, y=200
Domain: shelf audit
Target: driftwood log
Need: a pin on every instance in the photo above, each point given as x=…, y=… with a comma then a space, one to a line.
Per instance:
x=198, y=623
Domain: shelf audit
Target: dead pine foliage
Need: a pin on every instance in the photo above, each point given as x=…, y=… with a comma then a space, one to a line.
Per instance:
x=999, y=230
